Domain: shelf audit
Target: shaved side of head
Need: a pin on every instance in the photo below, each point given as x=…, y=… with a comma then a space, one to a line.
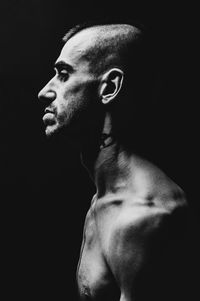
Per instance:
x=108, y=45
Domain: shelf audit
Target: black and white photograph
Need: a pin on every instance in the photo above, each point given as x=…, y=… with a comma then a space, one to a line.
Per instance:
x=99, y=150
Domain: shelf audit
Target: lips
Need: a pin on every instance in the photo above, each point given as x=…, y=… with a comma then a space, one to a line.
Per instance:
x=48, y=117
x=48, y=111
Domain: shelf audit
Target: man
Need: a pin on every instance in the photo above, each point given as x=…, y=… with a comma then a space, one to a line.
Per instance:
x=98, y=100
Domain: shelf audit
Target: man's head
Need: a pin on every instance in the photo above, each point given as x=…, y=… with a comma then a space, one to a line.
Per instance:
x=95, y=65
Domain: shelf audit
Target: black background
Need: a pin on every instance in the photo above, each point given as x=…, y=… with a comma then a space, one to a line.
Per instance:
x=45, y=192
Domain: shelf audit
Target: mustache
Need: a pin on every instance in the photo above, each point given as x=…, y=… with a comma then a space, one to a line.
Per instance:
x=50, y=110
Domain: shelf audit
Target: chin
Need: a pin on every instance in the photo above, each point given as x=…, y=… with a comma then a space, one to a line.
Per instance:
x=62, y=133
x=51, y=131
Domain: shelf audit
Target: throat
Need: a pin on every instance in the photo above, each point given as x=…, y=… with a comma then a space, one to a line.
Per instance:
x=107, y=160
x=112, y=170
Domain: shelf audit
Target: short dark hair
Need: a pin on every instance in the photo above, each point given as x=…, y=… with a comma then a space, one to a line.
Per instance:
x=102, y=21
x=138, y=47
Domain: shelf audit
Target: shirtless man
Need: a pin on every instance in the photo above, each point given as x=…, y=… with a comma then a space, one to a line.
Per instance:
x=131, y=228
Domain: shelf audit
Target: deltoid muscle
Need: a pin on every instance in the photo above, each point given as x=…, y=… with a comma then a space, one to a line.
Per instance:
x=130, y=245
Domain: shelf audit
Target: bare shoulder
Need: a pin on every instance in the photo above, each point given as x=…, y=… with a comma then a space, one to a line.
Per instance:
x=155, y=214
x=155, y=203
x=150, y=234
x=156, y=189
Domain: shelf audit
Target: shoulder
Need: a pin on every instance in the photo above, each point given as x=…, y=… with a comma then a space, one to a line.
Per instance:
x=155, y=188
x=145, y=223
x=157, y=202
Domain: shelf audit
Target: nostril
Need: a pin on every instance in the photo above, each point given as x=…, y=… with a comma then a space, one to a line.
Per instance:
x=47, y=96
x=50, y=94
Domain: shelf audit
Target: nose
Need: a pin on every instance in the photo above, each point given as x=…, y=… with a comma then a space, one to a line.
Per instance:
x=47, y=95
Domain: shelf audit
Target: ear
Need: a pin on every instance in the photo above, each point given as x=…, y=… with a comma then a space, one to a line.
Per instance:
x=111, y=84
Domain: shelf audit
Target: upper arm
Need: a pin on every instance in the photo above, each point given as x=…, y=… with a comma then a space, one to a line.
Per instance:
x=132, y=236
x=140, y=237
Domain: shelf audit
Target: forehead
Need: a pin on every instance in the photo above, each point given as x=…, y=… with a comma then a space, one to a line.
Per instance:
x=76, y=47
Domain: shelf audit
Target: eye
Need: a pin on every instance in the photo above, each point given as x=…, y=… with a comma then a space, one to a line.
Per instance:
x=62, y=74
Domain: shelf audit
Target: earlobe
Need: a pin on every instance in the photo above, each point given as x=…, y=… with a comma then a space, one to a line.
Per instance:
x=111, y=84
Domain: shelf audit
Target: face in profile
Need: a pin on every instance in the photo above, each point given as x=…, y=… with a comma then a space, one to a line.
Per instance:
x=69, y=97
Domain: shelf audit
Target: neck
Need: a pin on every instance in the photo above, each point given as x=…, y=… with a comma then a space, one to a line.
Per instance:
x=107, y=160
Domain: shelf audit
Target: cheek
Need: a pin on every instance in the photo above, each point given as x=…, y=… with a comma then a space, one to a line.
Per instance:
x=75, y=103
x=70, y=108
x=76, y=97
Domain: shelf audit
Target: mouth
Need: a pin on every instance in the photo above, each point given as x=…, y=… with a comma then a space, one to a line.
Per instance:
x=46, y=111
x=48, y=117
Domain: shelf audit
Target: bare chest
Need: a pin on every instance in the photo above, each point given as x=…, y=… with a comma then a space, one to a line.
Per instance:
x=93, y=276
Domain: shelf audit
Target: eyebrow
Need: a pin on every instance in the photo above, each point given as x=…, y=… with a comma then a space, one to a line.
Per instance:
x=63, y=65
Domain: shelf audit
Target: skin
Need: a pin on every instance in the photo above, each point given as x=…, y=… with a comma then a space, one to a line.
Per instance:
x=134, y=199
x=68, y=93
